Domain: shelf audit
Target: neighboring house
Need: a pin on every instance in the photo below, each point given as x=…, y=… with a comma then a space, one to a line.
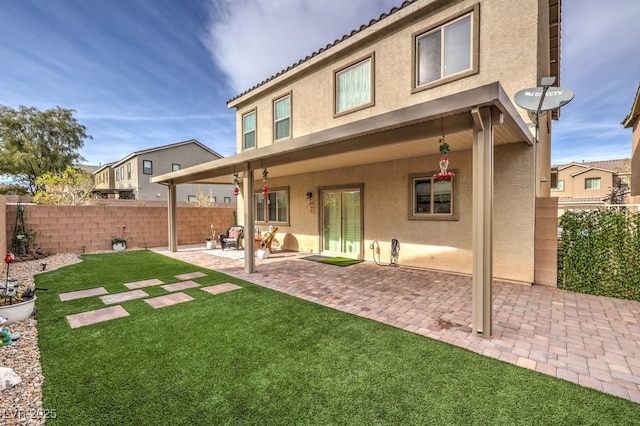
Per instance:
x=632, y=121
x=349, y=138
x=130, y=177
x=591, y=183
x=104, y=181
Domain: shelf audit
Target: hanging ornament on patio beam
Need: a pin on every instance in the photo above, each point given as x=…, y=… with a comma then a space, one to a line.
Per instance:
x=236, y=184
x=265, y=179
x=444, y=161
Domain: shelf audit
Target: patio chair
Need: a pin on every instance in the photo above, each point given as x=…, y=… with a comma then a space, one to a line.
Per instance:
x=232, y=238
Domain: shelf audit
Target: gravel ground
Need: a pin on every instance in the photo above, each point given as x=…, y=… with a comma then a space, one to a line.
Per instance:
x=22, y=405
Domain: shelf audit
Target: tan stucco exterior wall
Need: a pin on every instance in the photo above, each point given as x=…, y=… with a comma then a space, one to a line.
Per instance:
x=441, y=245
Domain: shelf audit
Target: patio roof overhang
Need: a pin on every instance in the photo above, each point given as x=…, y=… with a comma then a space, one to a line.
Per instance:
x=476, y=120
x=404, y=133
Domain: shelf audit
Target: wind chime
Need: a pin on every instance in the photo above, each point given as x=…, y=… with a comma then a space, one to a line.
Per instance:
x=236, y=183
x=444, y=161
x=265, y=179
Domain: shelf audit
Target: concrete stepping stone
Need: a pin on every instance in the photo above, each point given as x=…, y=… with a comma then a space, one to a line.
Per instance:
x=144, y=283
x=190, y=276
x=80, y=294
x=168, y=300
x=183, y=285
x=221, y=288
x=96, y=316
x=123, y=297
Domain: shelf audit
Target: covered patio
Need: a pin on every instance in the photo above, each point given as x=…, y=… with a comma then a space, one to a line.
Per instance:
x=474, y=120
x=588, y=340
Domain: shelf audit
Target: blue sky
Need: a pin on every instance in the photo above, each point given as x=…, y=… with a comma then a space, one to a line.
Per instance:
x=144, y=73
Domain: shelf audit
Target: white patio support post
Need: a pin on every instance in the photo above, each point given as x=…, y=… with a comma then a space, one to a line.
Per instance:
x=484, y=119
x=249, y=259
x=173, y=230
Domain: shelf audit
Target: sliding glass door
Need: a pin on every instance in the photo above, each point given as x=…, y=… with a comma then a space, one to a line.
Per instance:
x=341, y=222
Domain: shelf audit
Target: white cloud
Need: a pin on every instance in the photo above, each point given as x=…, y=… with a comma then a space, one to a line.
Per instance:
x=251, y=40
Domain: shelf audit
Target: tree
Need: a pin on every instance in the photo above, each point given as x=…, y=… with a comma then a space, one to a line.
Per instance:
x=34, y=142
x=71, y=187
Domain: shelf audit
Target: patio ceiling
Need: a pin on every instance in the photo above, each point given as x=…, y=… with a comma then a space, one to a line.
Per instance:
x=409, y=132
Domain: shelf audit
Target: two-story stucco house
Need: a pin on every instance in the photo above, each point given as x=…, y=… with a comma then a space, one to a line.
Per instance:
x=349, y=141
x=130, y=177
x=589, y=184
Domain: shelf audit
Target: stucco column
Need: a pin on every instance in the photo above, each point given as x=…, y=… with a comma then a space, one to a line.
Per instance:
x=247, y=183
x=482, y=244
x=171, y=218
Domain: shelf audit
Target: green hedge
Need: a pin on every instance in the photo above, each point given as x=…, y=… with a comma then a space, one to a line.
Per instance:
x=599, y=253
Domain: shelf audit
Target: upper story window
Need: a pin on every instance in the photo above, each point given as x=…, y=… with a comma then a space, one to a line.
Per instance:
x=559, y=186
x=282, y=117
x=122, y=172
x=592, y=183
x=249, y=130
x=129, y=171
x=147, y=167
x=175, y=167
x=447, y=51
x=354, y=86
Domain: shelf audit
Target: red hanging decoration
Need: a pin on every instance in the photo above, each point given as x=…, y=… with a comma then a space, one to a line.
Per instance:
x=236, y=182
x=265, y=179
x=444, y=162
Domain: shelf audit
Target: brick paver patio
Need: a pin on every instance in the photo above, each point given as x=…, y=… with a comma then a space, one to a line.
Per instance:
x=589, y=340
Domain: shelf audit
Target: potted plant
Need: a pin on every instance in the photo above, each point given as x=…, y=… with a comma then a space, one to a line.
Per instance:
x=16, y=301
x=120, y=243
x=444, y=161
x=211, y=240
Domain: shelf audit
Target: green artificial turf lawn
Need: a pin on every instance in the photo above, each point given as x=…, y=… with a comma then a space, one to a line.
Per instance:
x=255, y=356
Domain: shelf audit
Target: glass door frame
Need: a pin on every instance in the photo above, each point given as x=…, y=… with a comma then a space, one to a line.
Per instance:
x=340, y=188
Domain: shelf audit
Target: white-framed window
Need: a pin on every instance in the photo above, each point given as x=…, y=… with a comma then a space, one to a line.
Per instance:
x=592, y=183
x=354, y=86
x=282, y=118
x=175, y=167
x=447, y=51
x=559, y=186
x=147, y=167
x=249, y=130
x=117, y=174
x=122, y=172
x=273, y=209
x=129, y=171
x=430, y=198
x=227, y=199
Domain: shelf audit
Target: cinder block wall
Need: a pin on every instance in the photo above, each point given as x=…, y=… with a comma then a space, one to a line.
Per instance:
x=74, y=229
x=546, y=242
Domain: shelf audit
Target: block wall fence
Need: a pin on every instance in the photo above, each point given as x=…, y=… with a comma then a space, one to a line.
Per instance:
x=546, y=241
x=78, y=229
